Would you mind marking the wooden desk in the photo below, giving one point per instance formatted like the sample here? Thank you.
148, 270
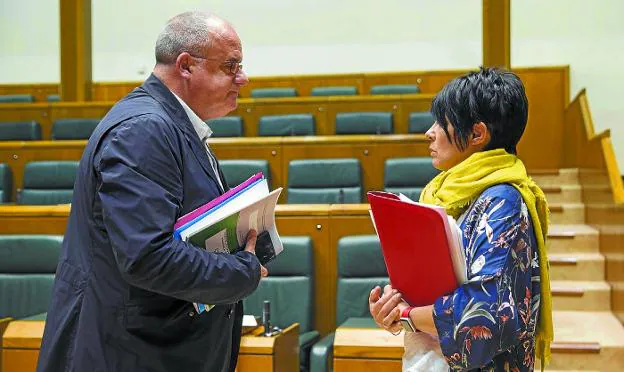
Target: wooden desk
20, 345
274, 354
367, 349
22, 340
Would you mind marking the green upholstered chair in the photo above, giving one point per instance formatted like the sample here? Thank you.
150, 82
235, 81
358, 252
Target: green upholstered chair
17, 98
53, 98
227, 126
73, 129
237, 171
395, 89
286, 125
408, 175
27, 267
48, 182
273, 92
420, 122
361, 267
334, 91
324, 181
20, 131
290, 288
6, 183
364, 123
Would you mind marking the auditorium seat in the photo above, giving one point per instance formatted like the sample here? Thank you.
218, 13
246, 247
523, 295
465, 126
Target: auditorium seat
48, 182
290, 288
334, 91
27, 272
17, 98
420, 122
324, 181
273, 92
408, 175
6, 183
20, 131
73, 129
237, 171
360, 268
364, 123
53, 98
395, 89
286, 125
227, 126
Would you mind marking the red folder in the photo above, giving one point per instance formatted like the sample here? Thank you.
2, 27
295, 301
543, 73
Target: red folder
416, 247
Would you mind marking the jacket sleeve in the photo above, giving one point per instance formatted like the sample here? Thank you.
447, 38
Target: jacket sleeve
141, 191
494, 310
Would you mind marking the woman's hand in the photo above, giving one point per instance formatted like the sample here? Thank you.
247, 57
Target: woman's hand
385, 309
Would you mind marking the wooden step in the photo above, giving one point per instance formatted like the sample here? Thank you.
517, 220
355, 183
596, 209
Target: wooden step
555, 177
567, 213
577, 266
572, 238
597, 194
563, 194
587, 340
581, 295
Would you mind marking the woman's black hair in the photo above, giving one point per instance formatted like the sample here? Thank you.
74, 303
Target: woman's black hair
493, 96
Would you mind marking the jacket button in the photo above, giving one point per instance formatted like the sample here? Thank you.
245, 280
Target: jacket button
191, 314
229, 314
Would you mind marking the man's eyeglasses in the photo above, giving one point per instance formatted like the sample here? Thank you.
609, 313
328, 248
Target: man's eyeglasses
232, 68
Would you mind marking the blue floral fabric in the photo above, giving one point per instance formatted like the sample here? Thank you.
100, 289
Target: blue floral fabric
489, 323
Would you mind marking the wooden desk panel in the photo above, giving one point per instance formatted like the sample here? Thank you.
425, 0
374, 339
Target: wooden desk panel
374, 349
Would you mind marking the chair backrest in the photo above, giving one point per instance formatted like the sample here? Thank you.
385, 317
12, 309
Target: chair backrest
273, 92
361, 267
420, 122
17, 98
408, 175
395, 89
73, 129
6, 183
364, 123
53, 98
334, 91
48, 182
289, 286
324, 181
20, 131
237, 171
286, 125
27, 267
227, 126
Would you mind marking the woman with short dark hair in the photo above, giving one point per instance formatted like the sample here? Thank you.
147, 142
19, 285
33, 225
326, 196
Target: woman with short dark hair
500, 319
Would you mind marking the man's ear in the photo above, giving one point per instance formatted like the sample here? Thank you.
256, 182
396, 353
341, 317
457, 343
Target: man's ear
480, 135
183, 64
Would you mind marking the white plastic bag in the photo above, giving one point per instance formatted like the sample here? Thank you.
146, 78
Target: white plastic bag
423, 353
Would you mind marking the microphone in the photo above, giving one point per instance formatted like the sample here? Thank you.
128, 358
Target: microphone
266, 318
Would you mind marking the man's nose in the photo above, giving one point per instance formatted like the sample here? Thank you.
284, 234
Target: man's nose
241, 78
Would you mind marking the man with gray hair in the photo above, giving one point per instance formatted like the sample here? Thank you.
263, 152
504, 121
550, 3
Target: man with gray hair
124, 288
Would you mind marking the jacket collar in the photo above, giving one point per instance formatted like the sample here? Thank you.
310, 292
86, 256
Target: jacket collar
159, 91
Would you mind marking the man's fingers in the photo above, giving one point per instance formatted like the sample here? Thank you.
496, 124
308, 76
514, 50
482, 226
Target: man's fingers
250, 246
374, 295
263, 271
392, 317
391, 303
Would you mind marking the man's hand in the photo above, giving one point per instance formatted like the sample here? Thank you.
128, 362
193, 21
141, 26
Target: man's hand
250, 247
385, 309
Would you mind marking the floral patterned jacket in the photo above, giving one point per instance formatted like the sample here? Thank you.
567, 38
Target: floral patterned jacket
489, 322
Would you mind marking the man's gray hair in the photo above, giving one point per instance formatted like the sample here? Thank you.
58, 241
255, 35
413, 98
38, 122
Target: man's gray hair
187, 32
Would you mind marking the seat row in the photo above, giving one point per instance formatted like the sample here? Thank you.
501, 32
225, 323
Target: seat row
27, 275
314, 181
232, 126
265, 92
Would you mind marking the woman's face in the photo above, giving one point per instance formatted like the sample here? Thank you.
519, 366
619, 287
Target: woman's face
444, 153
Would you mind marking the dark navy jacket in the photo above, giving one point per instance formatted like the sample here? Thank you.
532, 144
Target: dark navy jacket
124, 287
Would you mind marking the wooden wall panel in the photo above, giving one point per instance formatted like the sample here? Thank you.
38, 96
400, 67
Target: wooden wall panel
39, 91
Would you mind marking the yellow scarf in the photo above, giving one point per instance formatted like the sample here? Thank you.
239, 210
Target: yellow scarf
458, 187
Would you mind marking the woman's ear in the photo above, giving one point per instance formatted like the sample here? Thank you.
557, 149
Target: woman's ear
480, 135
